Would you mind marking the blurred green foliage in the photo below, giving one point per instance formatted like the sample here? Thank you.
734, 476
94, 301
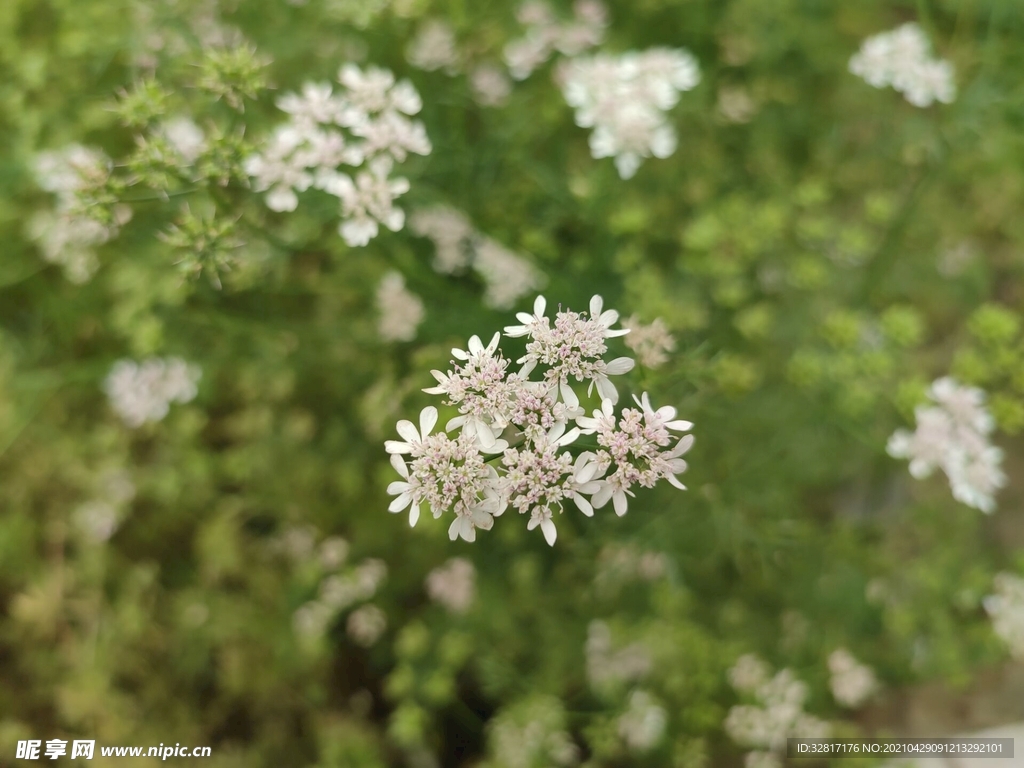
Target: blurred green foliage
819, 264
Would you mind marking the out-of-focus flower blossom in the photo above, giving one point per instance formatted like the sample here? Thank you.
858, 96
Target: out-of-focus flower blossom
852, 683
777, 715
625, 99
901, 58
400, 310
652, 343
642, 725
365, 625
531, 733
953, 435
1006, 609
545, 34
143, 392
434, 48
489, 85
453, 585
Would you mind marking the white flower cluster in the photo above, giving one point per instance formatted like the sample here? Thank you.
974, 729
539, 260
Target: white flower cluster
545, 34
367, 125
1006, 609
453, 585
507, 276
777, 715
434, 48
902, 58
66, 235
624, 98
99, 518
642, 725
143, 391
954, 436
652, 343
399, 310
852, 683
535, 473
531, 733
338, 591
185, 138
608, 667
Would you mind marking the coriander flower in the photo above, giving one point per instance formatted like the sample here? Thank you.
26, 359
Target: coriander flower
901, 58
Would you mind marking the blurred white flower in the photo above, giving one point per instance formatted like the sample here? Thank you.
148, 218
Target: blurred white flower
490, 85
143, 392
453, 585
1006, 609
400, 310
652, 343
954, 435
642, 725
852, 683
97, 520
901, 58
450, 232
545, 34
368, 200
531, 733
625, 99
434, 48
777, 715
366, 624
607, 666
187, 138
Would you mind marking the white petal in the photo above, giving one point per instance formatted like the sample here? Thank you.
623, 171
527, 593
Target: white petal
428, 418
596, 303
619, 501
606, 389
538, 306
620, 365
485, 437
407, 430
600, 498
400, 503
399, 464
568, 395
679, 425
475, 345
414, 515
583, 504
550, 533
395, 446
675, 481
568, 437
397, 487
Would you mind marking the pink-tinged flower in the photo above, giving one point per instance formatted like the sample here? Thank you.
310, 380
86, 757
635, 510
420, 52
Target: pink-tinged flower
413, 438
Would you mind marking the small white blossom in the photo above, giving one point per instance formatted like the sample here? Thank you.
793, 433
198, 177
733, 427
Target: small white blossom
545, 34
642, 725
852, 683
368, 200
1006, 609
143, 392
625, 99
777, 715
530, 733
953, 435
749, 673
608, 667
434, 48
97, 520
490, 85
187, 138
453, 585
652, 343
400, 310
366, 624
901, 58
450, 232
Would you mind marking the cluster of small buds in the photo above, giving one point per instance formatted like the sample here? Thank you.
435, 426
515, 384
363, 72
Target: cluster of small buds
642, 726
1006, 609
608, 667
953, 435
902, 58
852, 683
143, 391
68, 235
531, 733
367, 125
625, 98
507, 276
545, 34
453, 585
651, 343
777, 715
339, 589
400, 311
100, 517
534, 470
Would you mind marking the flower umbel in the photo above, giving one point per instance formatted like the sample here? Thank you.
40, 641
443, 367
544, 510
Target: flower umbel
525, 423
